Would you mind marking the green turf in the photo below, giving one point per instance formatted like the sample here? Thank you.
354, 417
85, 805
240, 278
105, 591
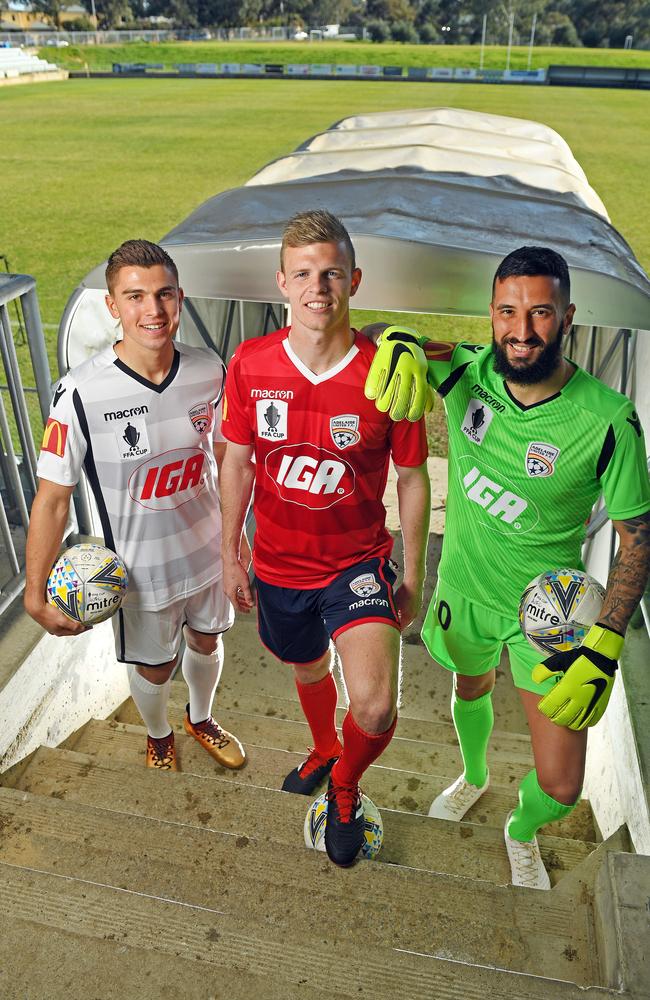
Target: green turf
87, 164
358, 53
92, 162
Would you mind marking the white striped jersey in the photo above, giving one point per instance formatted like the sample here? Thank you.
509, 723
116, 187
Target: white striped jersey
147, 451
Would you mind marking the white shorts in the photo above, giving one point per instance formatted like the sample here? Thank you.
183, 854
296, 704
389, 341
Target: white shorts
154, 637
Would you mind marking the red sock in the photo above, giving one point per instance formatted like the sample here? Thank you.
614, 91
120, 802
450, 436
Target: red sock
360, 749
319, 705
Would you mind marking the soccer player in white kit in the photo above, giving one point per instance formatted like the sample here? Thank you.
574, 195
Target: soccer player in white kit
142, 418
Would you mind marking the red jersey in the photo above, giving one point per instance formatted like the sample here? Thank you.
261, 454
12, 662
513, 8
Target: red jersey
321, 451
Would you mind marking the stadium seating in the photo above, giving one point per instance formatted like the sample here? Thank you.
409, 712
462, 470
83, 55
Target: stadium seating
16, 62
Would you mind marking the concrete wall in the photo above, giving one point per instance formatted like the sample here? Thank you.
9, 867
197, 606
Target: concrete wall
618, 755
59, 686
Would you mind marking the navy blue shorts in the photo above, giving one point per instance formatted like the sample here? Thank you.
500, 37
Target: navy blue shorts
297, 625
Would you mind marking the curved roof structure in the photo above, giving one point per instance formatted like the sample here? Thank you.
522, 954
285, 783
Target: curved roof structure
433, 199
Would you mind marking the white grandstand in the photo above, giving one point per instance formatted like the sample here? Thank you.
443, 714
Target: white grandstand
15, 63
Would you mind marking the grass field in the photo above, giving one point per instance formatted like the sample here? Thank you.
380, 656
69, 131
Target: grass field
86, 164
359, 53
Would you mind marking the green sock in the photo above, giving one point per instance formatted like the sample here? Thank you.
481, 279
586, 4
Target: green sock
473, 721
535, 809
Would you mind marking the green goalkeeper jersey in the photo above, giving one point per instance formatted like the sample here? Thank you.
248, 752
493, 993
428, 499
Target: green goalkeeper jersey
523, 479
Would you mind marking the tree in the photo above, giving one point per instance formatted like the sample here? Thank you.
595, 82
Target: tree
378, 30
112, 13
403, 31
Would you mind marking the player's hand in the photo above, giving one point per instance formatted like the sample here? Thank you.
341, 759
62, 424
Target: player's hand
236, 585
408, 601
397, 379
586, 678
53, 620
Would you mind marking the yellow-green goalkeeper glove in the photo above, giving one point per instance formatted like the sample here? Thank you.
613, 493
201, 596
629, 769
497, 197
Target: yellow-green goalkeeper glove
397, 379
581, 694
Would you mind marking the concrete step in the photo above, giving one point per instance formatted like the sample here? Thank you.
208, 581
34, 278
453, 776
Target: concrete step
247, 880
390, 787
274, 707
226, 950
244, 810
83, 964
283, 734
425, 689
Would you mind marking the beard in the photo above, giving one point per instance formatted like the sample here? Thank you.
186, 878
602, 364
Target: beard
537, 371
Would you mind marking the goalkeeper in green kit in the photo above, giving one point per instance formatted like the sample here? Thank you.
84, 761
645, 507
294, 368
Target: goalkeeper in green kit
533, 442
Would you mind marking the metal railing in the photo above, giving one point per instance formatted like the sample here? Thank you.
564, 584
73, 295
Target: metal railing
17, 424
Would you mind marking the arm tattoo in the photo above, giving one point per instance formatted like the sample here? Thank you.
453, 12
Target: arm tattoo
628, 576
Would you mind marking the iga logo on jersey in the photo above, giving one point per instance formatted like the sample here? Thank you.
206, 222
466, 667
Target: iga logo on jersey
132, 439
168, 481
272, 419
201, 417
498, 506
476, 421
365, 585
345, 430
309, 476
540, 459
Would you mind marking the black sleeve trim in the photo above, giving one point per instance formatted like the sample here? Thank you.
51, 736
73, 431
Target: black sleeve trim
445, 387
606, 453
91, 472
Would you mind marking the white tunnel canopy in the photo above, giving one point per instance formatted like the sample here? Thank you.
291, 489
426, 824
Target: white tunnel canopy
433, 199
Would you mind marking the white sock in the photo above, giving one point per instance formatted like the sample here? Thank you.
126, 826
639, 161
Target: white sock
201, 672
151, 702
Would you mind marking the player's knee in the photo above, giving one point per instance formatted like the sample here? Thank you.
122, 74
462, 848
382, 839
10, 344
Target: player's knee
375, 716
311, 673
202, 643
470, 688
561, 787
155, 675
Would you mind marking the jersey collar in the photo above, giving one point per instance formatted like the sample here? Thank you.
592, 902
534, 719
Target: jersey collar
169, 377
325, 376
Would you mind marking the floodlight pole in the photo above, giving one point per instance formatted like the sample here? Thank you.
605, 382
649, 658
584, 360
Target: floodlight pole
483, 41
510, 31
94, 13
532, 39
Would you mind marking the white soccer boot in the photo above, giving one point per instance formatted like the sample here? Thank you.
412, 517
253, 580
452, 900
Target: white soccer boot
526, 865
456, 800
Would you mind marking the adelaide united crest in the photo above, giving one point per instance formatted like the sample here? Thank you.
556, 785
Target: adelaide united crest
345, 430
540, 459
201, 417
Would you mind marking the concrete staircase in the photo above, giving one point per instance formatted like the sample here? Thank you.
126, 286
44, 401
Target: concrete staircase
119, 882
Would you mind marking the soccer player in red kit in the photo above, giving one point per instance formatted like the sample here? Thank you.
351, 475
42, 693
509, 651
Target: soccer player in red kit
301, 432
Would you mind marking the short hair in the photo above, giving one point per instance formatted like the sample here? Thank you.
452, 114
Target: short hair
532, 262
137, 253
317, 226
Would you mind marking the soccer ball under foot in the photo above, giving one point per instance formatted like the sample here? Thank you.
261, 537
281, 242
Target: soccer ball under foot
316, 819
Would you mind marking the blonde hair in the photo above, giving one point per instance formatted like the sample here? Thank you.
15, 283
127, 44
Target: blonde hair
317, 226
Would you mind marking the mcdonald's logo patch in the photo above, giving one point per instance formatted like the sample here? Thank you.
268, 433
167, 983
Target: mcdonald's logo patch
54, 437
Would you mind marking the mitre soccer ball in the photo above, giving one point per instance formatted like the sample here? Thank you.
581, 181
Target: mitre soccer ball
558, 608
316, 820
87, 583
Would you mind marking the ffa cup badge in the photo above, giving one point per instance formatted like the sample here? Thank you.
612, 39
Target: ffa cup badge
345, 430
272, 419
476, 421
540, 459
201, 417
364, 585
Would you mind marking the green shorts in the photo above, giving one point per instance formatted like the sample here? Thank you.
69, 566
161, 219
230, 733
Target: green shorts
469, 639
